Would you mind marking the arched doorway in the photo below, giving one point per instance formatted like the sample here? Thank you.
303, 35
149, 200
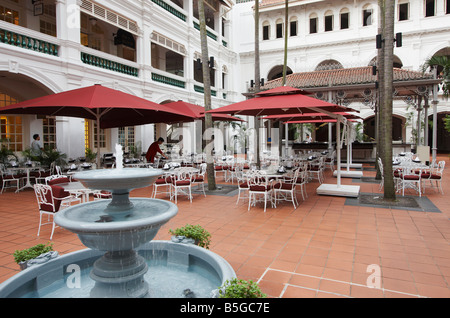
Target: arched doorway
277, 72
443, 136
397, 128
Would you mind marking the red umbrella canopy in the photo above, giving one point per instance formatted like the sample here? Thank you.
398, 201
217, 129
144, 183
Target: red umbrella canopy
198, 112
310, 117
112, 108
280, 90
281, 103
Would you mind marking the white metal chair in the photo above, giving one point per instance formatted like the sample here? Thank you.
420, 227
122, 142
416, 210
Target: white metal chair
242, 182
316, 170
199, 178
437, 175
8, 178
411, 178
285, 189
164, 181
101, 195
329, 161
259, 185
302, 180
51, 199
182, 183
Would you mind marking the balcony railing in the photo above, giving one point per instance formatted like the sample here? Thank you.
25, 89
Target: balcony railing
170, 9
208, 33
200, 89
28, 42
108, 64
168, 80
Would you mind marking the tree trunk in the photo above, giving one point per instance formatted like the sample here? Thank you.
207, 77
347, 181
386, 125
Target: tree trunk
207, 95
257, 79
389, 189
380, 78
286, 29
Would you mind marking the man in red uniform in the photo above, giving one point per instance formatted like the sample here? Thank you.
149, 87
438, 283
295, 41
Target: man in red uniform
153, 149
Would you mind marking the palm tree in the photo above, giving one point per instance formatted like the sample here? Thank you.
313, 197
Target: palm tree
443, 64
285, 41
389, 188
207, 93
257, 78
380, 79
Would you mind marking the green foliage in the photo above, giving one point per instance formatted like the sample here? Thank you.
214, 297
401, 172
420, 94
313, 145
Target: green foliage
196, 232
239, 288
447, 122
443, 65
90, 155
50, 155
32, 252
6, 155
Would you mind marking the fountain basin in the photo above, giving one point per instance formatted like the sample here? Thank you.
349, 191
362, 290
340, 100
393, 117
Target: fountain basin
124, 231
173, 269
118, 179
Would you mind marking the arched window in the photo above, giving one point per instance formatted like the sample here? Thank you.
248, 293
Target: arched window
367, 15
279, 28
329, 65
344, 16
266, 30
403, 10
313, 23
293, 26
328, 21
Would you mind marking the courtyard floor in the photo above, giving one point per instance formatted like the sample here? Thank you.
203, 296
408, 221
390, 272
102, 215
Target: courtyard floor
327, 247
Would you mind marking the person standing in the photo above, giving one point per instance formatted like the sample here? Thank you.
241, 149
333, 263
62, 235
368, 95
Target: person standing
154, 149
36, 147
308, 138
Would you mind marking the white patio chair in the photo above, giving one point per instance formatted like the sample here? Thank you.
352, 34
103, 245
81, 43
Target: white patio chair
411, 178
8, 178
51, 199
284, 190
181, 183
199, 178
437, 175
259, 185
242, 181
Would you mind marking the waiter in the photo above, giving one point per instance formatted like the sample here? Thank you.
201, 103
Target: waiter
153, 149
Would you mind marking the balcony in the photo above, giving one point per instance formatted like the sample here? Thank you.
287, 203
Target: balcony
28, 41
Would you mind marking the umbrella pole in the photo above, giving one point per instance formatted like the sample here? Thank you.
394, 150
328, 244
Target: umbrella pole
338, 149
98, 140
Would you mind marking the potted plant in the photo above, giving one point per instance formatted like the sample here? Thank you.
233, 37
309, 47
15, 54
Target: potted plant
200, 236
6, 155
22, 257
90, 155
239, 288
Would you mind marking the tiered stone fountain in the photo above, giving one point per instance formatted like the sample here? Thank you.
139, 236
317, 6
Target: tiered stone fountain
121, 229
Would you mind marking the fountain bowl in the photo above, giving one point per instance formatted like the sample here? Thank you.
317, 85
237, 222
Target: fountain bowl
118, 179
175, 267
123, 232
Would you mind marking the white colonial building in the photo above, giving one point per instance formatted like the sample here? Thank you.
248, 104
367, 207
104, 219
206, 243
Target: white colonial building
150, 48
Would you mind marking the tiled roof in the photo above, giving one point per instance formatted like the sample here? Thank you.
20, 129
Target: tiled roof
340, 77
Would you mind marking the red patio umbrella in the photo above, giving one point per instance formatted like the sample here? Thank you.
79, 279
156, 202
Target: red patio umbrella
310, 117
198, 112
108, 107
285, 100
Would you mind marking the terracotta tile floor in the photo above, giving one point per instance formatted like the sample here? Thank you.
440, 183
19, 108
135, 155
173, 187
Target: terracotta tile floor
323, 248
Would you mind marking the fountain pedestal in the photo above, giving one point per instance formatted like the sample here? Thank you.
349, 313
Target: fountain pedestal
119, 275
118, 226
